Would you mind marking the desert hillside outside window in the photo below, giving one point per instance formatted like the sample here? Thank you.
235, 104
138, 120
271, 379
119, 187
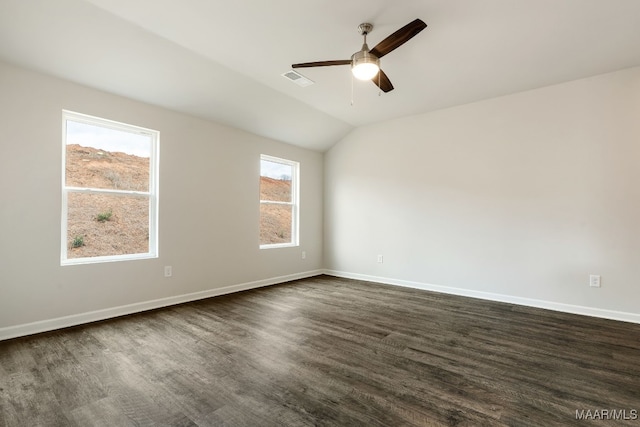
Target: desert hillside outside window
278, 202
109, 190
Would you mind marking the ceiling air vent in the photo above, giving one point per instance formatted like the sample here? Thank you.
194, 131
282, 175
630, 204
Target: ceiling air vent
297, 78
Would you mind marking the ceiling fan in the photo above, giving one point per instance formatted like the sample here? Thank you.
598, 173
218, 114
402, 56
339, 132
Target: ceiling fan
365, 63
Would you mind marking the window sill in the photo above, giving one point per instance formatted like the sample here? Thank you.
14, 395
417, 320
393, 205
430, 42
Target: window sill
279, 245
103, 259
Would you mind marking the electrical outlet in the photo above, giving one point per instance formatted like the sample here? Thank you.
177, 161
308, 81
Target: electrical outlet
304, 254
168, 271
594, 281
380, 259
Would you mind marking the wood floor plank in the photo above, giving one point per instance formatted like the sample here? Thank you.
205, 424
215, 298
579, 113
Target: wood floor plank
101, 413
326, 351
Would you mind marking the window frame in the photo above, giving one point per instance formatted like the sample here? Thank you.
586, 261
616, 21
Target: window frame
294, 203
151, 194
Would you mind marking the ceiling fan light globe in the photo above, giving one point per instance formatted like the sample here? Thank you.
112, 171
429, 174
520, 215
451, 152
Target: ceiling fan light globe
364, 65
365, 71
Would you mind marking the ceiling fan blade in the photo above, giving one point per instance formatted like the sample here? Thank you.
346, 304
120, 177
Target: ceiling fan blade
382, 81
322, 63
398, 38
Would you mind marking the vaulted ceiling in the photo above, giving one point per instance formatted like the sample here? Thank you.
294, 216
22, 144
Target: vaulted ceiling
223, 60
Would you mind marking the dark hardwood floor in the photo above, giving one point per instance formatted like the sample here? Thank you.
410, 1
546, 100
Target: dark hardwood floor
327, 351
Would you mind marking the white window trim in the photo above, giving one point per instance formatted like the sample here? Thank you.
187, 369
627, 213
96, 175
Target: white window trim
151, 194
295, 202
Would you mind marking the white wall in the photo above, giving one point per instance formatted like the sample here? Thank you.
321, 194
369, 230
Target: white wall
209, 212
520, 197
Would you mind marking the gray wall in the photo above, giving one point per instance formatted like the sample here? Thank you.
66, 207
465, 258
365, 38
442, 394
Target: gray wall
209, 211
516, 198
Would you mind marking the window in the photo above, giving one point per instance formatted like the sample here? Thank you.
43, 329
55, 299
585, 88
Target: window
109, 190
278, 202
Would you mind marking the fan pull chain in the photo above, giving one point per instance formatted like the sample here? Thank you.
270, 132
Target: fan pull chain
351, 89
379, 87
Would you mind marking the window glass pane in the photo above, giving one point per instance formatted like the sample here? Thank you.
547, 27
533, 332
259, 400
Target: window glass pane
275, 223
104, 225
100, 157
275, 181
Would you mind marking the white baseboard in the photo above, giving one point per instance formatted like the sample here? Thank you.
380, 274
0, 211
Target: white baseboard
93, 316
549, 305
108, 313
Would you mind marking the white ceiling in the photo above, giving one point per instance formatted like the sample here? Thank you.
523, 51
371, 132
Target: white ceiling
223, 60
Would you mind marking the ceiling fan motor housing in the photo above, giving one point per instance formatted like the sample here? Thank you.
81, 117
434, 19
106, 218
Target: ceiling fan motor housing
366, 62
